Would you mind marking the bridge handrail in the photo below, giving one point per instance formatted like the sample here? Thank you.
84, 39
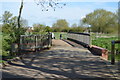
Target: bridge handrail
80, 33
35, 41
81, 37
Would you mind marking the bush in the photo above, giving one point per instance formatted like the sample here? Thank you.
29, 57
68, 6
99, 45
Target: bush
6, 46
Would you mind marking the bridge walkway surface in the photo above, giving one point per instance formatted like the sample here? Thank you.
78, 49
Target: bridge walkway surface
61, 61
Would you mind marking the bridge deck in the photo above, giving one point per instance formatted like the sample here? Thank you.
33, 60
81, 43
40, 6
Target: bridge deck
61, 61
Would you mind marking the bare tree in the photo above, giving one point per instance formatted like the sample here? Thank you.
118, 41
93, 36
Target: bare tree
19, 16
46, 4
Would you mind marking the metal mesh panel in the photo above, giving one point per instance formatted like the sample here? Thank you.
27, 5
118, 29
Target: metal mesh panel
82, 37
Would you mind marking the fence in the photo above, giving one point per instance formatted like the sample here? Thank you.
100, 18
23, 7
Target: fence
35, 42
81, 37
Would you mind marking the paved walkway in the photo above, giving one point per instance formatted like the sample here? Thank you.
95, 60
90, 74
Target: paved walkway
61, 61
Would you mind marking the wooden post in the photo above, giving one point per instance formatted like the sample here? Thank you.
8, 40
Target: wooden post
112, 52
35, 43
49, 39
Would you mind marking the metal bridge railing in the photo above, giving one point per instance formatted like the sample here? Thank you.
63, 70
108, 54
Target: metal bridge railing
33, 42
81, 37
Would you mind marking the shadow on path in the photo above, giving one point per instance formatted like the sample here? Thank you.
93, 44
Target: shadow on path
64, 64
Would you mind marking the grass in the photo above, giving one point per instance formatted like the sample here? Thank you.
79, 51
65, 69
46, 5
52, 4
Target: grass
117, 57
95, 35
2, 61
57, 35
106, 43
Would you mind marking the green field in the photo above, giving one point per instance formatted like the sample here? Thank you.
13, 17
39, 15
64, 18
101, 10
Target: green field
57, 35
104, 42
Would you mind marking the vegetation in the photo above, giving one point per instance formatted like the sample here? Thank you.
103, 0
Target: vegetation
117, 57
40, 29
77, 28
62, 25
57, 35
102, 21
10, 31
106, 43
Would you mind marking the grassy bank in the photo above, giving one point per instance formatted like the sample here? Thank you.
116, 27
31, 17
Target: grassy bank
106, 43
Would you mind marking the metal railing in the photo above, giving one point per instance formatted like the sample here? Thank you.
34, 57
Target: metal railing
81, 37
34, 42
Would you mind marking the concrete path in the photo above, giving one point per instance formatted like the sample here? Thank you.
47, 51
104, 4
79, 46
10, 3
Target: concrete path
61, 61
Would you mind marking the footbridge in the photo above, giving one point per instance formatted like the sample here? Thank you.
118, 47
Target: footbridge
63, 59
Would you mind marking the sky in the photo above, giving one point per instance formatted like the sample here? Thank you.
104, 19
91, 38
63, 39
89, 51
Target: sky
73, 12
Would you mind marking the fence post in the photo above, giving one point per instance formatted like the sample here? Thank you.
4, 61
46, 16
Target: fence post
49, 39
112, 52
35, 43
20, 45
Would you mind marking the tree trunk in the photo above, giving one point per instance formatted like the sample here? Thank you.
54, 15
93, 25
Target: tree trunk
19, 26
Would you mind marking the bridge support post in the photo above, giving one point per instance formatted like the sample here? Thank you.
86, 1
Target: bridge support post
49, 39
35, 43
112, 52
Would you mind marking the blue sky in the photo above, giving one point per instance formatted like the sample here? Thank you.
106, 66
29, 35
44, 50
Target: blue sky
73, 12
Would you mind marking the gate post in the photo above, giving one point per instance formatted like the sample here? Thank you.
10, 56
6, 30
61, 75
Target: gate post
35, 43
112, 52
49, 39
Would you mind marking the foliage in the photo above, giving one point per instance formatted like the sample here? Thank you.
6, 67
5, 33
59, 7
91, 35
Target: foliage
48, 29
10, 31
102, 21
104, 42
6, 17
6, 40
40, 29
57, 35
60, 25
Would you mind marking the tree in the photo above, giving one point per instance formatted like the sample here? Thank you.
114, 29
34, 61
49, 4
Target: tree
39, 29
9, 30
101, 21
6, 17
60, 25
76, 28
48, 29
45, 5
10, 25
74, 25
